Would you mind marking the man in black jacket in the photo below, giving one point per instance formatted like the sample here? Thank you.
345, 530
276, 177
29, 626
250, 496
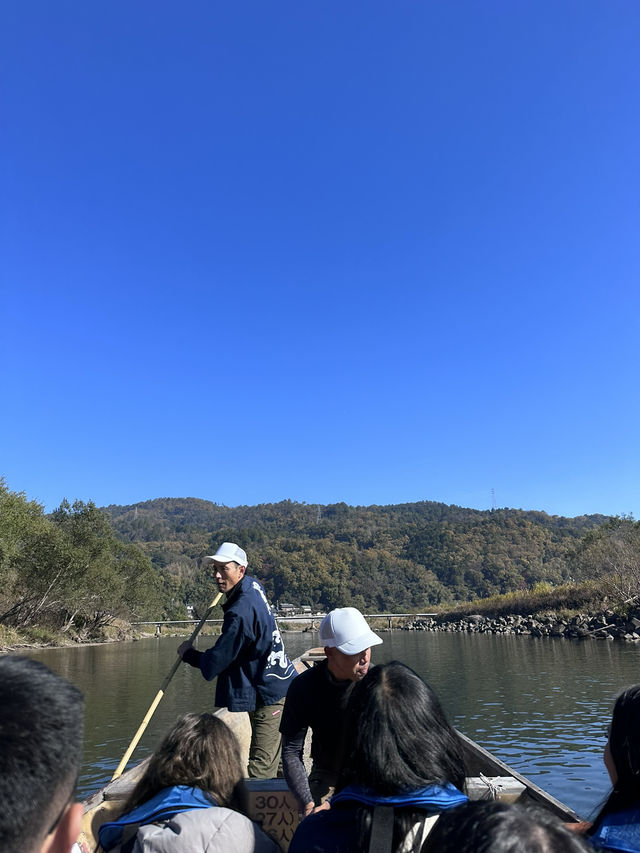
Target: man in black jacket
317, 700
249, 660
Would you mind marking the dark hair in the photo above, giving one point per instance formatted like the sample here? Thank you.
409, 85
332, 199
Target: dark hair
202, 752
398, 739
495, 827
41, 728
624, 745
397, 734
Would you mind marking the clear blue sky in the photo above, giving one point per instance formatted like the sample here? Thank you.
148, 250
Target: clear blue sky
362, 251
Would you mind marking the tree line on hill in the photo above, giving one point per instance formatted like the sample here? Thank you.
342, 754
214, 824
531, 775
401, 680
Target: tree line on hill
81, 567
406, 557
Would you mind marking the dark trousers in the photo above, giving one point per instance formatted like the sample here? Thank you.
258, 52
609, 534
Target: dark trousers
266, 741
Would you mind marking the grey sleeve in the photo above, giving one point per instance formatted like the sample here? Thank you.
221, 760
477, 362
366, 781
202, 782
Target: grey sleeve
293, 766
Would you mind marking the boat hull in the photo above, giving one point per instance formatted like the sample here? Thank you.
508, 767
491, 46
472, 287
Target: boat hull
273, 806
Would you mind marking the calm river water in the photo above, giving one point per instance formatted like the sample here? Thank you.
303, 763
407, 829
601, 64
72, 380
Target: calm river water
540, 704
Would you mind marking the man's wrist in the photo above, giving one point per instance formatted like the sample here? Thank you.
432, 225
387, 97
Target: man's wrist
306, 809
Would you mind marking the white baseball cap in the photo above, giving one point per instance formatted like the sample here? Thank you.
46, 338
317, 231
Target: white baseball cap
228, 552
346, 629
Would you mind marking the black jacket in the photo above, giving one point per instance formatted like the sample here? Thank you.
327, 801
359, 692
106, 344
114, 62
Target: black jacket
249, 658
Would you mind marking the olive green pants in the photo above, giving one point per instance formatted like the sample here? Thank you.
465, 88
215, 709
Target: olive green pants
266, 740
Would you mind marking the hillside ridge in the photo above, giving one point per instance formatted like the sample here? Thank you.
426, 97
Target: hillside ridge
410, 555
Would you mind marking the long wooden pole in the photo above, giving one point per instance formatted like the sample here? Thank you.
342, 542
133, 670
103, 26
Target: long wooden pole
160, 694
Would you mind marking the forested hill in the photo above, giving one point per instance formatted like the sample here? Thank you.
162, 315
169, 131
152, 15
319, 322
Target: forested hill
377, 557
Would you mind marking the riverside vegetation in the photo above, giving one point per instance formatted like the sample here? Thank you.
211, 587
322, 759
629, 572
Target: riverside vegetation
86, 573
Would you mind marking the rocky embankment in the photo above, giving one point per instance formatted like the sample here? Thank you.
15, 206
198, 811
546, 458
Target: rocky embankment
601, 626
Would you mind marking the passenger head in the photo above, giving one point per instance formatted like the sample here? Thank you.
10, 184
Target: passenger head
41, 727
622, 753
200, 751
397, 734
347, 641
495, 827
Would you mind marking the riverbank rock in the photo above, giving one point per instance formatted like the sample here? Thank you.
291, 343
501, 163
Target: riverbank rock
604, 625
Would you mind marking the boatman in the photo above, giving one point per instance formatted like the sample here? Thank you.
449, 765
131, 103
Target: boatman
41, 727
317, 700
249, 660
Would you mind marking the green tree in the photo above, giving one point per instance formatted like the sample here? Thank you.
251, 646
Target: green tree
32, 559
105, 578
69, 569
611, 554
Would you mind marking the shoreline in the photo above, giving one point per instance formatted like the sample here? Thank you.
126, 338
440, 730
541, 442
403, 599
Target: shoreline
599, 624
124, 637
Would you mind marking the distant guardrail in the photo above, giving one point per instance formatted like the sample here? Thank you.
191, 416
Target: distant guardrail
300, 618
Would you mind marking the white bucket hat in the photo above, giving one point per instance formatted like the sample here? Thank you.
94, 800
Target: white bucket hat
346, 629
228, 552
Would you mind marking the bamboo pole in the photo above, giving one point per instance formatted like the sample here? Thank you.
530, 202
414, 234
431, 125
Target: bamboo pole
160, 694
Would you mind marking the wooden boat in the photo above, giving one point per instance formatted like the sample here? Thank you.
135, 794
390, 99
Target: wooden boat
273, 806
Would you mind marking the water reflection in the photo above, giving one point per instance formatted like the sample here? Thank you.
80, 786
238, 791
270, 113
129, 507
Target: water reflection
542, 705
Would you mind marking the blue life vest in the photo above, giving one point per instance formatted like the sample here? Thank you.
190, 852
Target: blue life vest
433, 798
619, 831
165, 804
335, 829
